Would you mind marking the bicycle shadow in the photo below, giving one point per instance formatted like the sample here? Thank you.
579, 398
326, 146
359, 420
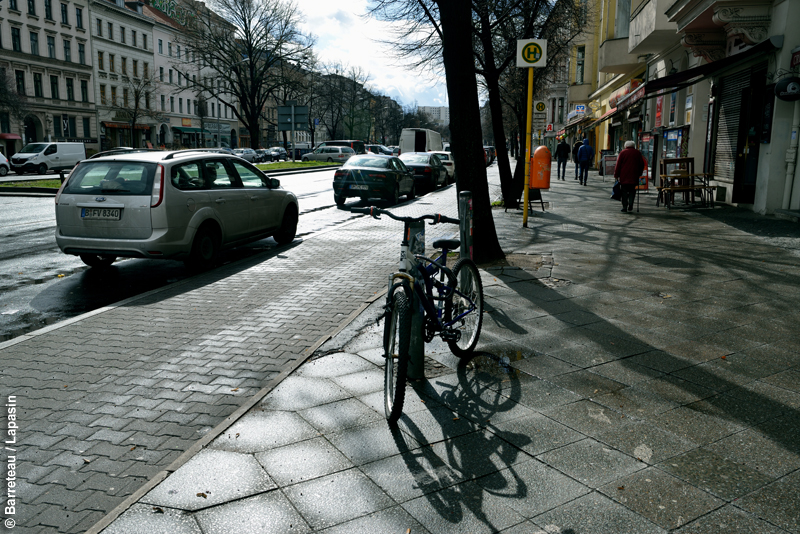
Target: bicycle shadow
465, 463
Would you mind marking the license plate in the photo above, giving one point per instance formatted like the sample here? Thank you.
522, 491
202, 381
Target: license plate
101, 213
359, 186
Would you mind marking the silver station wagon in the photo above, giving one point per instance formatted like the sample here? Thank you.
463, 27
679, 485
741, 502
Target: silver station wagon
185, 205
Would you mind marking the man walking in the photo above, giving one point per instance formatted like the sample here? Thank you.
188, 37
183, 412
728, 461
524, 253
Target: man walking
585, 158
628, 169
562, 155
578, 144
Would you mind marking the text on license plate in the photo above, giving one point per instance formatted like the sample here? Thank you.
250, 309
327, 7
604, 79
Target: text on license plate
100, 213
359, 186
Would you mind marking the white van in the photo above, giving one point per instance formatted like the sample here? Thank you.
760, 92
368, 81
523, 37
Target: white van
420, 140
43, 157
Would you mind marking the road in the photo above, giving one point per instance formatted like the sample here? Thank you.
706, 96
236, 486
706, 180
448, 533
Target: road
39, 285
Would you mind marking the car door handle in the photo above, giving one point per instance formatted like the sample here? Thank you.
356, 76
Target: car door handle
254, 197
220, 201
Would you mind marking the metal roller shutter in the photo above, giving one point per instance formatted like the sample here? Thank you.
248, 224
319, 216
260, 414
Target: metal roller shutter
730, 103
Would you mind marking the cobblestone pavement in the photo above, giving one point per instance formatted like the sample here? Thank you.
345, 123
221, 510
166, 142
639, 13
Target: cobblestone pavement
108, 400
637, 373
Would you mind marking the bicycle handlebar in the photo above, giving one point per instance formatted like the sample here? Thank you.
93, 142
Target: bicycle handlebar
375, 213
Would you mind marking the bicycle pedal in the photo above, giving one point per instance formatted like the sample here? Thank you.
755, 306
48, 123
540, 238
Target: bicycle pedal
450, 335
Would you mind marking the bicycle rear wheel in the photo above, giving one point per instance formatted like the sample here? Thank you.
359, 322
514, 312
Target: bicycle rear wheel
396, 340
469, 326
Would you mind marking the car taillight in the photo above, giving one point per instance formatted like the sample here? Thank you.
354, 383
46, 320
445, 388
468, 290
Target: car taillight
158, 187
377, 175
427, 169
338, 175
63, 185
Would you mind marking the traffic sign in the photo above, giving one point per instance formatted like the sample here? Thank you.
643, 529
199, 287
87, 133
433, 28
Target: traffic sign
539, 106
285, 118
532, 53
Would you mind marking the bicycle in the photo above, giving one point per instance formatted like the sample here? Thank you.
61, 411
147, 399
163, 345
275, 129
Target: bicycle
451, 302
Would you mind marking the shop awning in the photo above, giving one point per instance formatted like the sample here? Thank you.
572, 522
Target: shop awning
669, 84
125, 125
9, 136
574, 121
188, 130
605, 117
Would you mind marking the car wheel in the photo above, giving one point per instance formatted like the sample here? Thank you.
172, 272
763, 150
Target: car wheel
288, 230
330, 160
205, 249
98, 260
412, 193
3, 171
339, 199
42, 169
395, 198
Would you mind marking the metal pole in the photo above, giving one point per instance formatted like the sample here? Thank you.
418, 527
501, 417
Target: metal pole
527, 149
416, 348
292, 133
465, 223
219, 131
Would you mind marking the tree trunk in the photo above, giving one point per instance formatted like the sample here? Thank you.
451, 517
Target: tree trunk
465, 123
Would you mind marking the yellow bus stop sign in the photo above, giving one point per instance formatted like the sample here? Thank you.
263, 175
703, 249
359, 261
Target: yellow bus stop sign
532, 53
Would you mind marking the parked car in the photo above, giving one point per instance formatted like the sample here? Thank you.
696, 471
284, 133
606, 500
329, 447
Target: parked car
395, 150
429, 173
491, 154
42, 157
245, 153
278, 153
329, 154
262, 155
449, 164
135, 205
380, 149
4, 166
359, 147
373, 176
446, 147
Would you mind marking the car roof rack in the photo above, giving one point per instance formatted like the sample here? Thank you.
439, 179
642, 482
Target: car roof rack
174, 153
117, 151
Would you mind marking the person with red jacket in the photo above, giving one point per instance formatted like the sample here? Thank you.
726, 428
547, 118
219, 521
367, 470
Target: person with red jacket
630, 165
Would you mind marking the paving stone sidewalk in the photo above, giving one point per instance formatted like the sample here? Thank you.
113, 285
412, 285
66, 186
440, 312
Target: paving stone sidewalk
637, 372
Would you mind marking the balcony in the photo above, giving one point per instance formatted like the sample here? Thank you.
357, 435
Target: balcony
650, 29
579, 93
613, 56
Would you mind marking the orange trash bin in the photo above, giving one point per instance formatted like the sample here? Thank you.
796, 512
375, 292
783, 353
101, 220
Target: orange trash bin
540, 169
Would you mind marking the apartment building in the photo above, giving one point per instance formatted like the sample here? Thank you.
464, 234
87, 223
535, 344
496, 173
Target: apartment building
46, 56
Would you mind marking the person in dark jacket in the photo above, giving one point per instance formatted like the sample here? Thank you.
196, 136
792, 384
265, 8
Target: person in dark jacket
562, 155
578, 144
585, 158
628, 169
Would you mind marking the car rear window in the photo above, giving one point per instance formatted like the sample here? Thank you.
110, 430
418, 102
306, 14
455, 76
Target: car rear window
111, 177
367, 161
444, 157
414, 158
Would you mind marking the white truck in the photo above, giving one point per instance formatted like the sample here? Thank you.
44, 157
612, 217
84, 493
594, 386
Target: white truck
419, 140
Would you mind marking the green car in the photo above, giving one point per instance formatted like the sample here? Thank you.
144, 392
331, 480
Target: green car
373, 176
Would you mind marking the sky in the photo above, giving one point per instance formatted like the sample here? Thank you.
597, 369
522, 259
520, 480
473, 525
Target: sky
345, 36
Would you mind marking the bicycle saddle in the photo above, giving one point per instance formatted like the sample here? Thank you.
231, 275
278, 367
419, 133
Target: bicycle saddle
449, 244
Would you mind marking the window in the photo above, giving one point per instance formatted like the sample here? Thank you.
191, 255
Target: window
38, 91
125, 97
187, 176
87, 131
113, 96
79, 17
179, 51
212, 110
124, 66
51, 47
19, 77
110, 31
145, 69
147, 100
133, 37
111, 63
163, 105
579, 64
160, 46
180, 105
72, 127
161, 73
67, 51
622, 19
99, 28
64, 14
35, 44
172, 104
169, 49
144, 41
48, 9
102, 94
122, 34
135, 68
57, 125
31, 7
16, 40
82, 53
54, 87
170, 75
189, 106
12, 4
561, 110
84, 91
179, 77
70, 89
100, 63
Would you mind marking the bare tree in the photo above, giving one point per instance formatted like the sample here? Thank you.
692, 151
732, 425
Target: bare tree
241, 45
137, 101
11, 101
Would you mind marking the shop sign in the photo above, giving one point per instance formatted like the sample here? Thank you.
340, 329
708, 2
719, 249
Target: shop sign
185, 121
659, 110
673, 100
788, 89
626, 89
688, 108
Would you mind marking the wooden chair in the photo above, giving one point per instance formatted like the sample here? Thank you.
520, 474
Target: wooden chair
677, 176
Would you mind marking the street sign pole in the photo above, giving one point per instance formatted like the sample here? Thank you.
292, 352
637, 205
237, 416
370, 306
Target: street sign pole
531, 53
527, 149
293, 132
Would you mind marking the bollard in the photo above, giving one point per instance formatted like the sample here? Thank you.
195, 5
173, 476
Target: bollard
61, 176
416, 348
465, 224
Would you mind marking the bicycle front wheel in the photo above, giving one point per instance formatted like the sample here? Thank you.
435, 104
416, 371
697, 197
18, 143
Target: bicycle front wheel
396, 340
466, 308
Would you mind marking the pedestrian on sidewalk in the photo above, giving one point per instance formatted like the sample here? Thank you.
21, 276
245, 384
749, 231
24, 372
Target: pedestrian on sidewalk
562, 155
578, 144
585, 158
628, 169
